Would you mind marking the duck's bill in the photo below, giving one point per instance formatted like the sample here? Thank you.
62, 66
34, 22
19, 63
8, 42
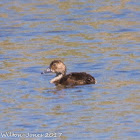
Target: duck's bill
46, 71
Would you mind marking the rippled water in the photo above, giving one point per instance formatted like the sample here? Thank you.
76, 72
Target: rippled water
98, 37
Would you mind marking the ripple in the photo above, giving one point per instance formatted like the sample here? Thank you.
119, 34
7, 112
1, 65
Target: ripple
100, 38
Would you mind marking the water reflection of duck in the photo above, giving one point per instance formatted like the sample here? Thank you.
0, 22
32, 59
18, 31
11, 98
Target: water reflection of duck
74, 78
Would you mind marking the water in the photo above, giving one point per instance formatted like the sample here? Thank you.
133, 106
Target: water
98, 37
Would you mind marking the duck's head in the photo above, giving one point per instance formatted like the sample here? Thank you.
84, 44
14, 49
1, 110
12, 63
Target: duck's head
56, 66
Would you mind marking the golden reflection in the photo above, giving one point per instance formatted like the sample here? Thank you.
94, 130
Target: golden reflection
128, 36
16, 9
26, 96
113, 8
6, 43
8, 100
133, 99
3, 15
65, 5
107, 103
8, 64
137, 107
84, 36
103, 39
6, 76
121, 83
113, 22
102, 130
73, 52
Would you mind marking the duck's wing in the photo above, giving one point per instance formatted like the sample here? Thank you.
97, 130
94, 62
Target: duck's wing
77, 78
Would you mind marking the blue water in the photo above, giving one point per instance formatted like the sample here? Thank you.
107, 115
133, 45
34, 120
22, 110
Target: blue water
97, 37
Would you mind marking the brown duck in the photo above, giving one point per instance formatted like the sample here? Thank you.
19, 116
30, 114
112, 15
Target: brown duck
74, 78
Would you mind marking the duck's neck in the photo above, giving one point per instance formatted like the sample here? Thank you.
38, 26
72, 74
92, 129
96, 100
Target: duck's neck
57, 78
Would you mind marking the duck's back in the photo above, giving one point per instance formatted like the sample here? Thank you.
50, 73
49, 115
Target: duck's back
77, 78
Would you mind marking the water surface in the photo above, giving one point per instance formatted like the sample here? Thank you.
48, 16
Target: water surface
97, 37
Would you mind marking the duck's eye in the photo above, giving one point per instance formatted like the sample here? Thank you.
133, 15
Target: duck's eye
54, 65
89, 79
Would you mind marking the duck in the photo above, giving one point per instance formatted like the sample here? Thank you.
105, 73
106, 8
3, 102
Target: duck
72, 79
